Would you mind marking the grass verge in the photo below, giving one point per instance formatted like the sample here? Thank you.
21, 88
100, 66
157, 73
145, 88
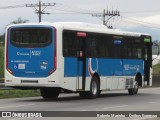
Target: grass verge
156, 69
14, 93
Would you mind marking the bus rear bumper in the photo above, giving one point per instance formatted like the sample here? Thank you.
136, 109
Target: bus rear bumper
17, 82
30, 85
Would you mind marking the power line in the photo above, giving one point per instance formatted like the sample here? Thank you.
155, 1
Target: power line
109, 15
106, 15
74, 9
141, 22
133, 23
40, 10
144, 11
10, 7
144, 24
71, 9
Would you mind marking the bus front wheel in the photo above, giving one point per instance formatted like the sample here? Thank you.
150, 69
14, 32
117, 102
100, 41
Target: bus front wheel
134, 90
50, 93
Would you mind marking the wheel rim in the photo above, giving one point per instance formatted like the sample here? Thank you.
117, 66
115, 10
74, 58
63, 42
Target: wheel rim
94, 87
136, 86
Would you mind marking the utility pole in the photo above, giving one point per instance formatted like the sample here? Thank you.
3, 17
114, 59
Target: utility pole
109, 15
40, 10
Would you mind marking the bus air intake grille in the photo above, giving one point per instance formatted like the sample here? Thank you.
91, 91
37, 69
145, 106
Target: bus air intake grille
29, 81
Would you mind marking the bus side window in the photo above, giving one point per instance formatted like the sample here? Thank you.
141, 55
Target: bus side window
91, 50
139, 53
145, 55
69, 44
103, 47
135, 53
129, 52
124, 53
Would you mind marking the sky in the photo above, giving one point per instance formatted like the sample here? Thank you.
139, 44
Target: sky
135, 15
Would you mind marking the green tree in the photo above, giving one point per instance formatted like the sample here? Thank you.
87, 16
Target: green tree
19, 20
2, 39
2, 61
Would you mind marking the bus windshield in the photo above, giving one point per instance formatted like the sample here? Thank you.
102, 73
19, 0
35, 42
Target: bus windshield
31, 37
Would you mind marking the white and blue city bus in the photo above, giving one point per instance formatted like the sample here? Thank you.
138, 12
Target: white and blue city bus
76, 57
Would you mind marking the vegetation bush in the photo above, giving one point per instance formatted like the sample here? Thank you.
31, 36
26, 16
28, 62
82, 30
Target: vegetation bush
1, 61
13, 93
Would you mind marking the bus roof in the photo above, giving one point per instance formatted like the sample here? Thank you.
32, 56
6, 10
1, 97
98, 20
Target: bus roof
80, 26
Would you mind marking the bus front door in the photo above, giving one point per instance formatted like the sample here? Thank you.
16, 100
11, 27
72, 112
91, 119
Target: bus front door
148, 63
81, 60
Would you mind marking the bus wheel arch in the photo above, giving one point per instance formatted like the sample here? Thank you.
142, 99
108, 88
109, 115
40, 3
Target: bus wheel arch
138, 78
98, 78
99, 82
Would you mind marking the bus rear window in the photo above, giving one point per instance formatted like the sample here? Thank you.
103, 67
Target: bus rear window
31, 37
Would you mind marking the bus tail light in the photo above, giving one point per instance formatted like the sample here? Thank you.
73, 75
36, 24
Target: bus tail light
10, 71
51, 71
55, 62
55, 66
55, 54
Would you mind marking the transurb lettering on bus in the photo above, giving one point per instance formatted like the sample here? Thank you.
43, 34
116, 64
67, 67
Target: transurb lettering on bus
35, 53
131, 67
32, 53
22, 54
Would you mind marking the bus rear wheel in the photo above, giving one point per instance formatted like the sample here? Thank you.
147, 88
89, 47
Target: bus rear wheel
94, 88
83, 94
50, 93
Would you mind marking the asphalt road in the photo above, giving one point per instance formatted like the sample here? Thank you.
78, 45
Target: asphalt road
147, 99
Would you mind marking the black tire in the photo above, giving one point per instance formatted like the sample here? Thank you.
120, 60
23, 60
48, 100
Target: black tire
99, 92
50, 93
134, 90
94, 88
83, 94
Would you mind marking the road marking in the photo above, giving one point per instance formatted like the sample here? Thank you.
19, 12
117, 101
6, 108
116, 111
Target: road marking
115, 107
16, 106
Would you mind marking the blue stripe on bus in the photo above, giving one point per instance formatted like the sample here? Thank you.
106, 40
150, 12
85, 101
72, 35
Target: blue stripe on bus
104, 67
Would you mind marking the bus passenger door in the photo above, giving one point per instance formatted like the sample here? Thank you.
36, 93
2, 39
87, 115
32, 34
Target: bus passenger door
81, 60
147, 61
